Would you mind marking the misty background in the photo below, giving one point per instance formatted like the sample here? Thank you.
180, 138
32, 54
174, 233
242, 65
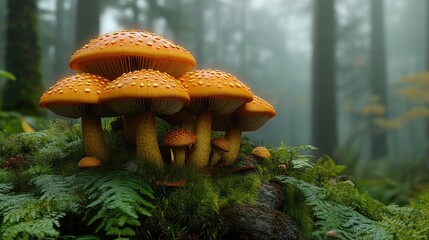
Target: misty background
346, 76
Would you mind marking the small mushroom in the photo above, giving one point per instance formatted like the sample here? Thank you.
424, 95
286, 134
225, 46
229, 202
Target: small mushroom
177, 141
261, 153
282, 166
89, 162
219, 146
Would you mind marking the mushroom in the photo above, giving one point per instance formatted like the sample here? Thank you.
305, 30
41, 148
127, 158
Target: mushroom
261, 153
145, 93
219, 146
113, 54
89, 162
177, 140
249, 117
212, 92
78, 96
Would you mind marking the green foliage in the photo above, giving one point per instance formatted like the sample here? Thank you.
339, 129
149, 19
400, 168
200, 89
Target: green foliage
410, 222
161, 225
324, 170
348, 223
197, 209
7, 75
117, 200
113, 201
234, 189
347, 194
24, 216
297, 208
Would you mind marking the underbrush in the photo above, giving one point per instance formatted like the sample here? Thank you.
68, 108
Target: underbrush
43, 195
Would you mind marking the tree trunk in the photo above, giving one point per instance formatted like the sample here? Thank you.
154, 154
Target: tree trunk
199, 32
378, 75
60, 60
324, 114
87, 21
23, 58
427, 69
2, 28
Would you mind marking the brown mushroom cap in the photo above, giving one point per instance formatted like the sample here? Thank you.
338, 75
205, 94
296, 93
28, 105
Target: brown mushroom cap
249, 117
145, 90
221, 143
112, 54
215, 91
76, 95
261, 152
88, 162
179, 138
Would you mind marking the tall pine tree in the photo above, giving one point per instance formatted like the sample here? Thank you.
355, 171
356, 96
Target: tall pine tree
22, 58
378, 75
324, 113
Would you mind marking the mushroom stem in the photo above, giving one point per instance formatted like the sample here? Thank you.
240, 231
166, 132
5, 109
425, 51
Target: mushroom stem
147, 145
199, 156
179, 156
233, 135
214, 159
130, 126
93, 138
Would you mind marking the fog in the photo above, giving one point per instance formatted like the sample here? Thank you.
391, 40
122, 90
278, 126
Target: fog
270, 45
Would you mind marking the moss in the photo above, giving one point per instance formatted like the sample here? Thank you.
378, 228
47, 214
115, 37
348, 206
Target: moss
197, 209
235, 189
347, 194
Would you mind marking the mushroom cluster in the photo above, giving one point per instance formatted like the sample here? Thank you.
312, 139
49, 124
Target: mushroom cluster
141, 76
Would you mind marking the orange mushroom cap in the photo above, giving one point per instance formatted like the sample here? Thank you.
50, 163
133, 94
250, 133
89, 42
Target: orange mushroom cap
88, 162
221, 143
261, 152
249, 117
112, 54
179, 138
145, 90
76, 95
215, 91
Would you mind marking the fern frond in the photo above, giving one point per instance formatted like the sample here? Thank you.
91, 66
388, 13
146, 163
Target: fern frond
26, 217
348, 223
119, 199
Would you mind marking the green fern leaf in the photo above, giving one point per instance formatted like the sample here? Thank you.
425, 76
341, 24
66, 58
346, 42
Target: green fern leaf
119, 200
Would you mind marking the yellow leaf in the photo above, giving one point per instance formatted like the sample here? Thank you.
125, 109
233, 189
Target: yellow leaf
25, 126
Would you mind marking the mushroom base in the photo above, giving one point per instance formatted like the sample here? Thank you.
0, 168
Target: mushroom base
93, 138
233, 136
